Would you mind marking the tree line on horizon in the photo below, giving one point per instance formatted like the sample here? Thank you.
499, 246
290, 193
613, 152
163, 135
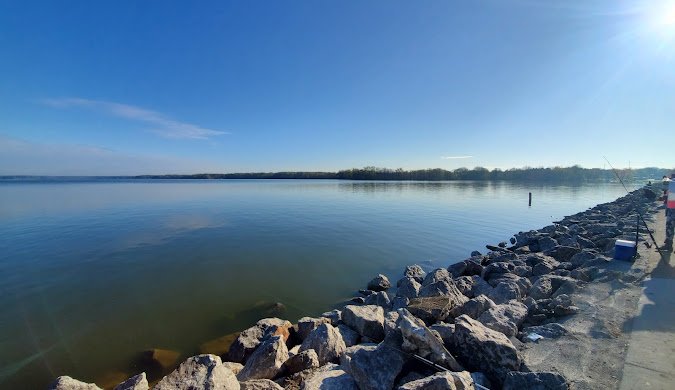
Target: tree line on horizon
567, 174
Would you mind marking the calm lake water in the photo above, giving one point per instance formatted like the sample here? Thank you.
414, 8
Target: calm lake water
92, 272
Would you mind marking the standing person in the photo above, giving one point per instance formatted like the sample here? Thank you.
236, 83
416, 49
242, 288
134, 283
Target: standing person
670, 213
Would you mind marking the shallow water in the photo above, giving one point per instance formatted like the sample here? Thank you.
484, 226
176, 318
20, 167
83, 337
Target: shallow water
92, 272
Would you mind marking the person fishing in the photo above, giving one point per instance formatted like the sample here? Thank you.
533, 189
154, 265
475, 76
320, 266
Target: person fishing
670, 213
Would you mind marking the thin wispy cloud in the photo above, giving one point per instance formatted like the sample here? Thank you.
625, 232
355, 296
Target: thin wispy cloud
159, 123
455, 157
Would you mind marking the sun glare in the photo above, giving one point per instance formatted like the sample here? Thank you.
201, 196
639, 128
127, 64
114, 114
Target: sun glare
665, 16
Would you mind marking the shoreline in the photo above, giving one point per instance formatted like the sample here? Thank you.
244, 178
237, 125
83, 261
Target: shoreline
486, 303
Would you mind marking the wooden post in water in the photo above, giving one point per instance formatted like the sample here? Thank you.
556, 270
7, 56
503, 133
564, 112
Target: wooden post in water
529, 203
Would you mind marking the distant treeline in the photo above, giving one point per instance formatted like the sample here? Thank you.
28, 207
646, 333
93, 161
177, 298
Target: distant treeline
574, 173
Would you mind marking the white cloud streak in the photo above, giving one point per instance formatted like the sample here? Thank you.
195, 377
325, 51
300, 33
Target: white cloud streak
455, 157
160, 124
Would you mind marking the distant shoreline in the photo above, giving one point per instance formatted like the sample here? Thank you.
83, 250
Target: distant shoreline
556, 174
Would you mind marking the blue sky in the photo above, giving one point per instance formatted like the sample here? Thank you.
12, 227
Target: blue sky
129, 87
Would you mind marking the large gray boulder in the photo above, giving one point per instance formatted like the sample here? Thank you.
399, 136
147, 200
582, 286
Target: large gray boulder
506, 318
346, 357
136, 382
260, 384
473, 307
442, 381
201, 372
249, 339
547, 285
408, 288
415, 272
307, 324
326, 341
329, 377
367, 320
437, 275
301, 361
376, 369
379, 283
535, 381
380, 298
349, 335
67, 383
431, 309
420, 340
266, 361
483, 349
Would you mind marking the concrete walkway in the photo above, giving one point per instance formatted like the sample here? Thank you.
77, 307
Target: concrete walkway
650, 359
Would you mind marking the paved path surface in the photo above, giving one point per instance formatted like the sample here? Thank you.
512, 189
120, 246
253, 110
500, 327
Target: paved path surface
650, 360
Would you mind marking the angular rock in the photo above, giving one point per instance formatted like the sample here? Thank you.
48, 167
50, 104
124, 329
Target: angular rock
376, 369
441, 288
464, 285
505, 291
379, 299
201, 372
535, 380
260, 384
505, 318
480, 286
234, 367
399, 303
249, 339
444, 331
408, 287
473, 307
346, 357
497, 268
415, 272
549, 331
431, 309
420, 340
67, 383
307, 324
329, 377
136, 382
437, 275
564, 253
581, 258
326, 341
481, 379
379, 283
442, 381
266, 360
349, 335
546, 285
335, 316
483, 349
302, 361
547, 244
367, 320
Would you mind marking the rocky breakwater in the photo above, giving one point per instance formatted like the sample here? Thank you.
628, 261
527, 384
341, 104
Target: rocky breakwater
471, 319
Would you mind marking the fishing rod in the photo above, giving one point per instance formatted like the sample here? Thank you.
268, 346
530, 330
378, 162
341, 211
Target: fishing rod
640, 217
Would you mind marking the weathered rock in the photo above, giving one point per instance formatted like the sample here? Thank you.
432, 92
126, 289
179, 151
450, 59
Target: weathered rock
483, 349
505, 318
481, 379
379, 283
367, 320
307, 324
326, 341
349, 335
136, 382
473, 307
335, 316
546, 285
442, 288
415, 272
546, 244
506, 291
579, 259
201, 372
431, 309
408, 287
379, 299
535, 381
564, 253
399, 303
480, 286
302, 361
346, 357
260, 384
496, 269
329, 377
234, 367
464, 285
444, 331
442, 381
419, 339
249, 339
376, 369
266, 360
437, 275
68, 383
